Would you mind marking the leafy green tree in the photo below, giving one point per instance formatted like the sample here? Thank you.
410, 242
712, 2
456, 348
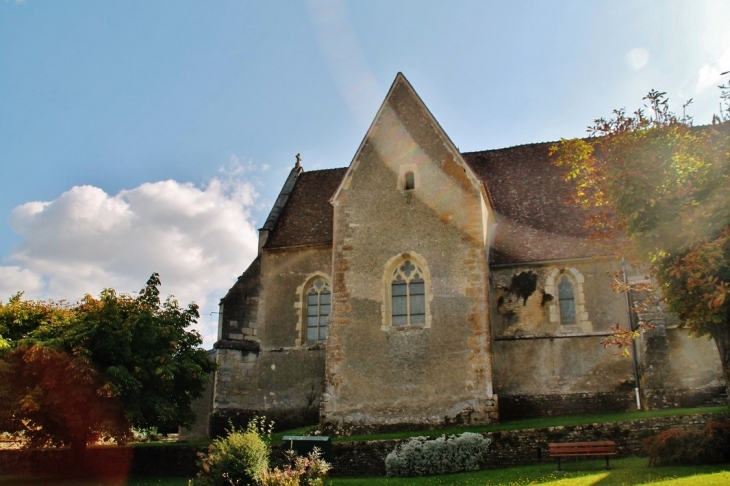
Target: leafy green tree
72, 374
658, 189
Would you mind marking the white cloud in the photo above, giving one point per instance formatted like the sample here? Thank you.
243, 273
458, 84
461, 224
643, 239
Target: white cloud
198, 239
709, 74
637, 58
14, 279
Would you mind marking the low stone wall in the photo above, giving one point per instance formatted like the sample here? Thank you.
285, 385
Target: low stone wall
366, 458
658, 399
523, 447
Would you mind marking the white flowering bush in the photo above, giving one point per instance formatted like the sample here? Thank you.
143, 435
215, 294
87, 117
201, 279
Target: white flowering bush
422, 457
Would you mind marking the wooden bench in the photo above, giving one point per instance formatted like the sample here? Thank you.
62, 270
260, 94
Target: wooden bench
583, 449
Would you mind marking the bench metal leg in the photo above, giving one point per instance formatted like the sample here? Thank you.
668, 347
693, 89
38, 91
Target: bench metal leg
607, 466
559, 469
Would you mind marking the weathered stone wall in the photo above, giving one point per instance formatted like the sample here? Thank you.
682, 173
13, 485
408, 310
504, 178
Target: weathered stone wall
285, 385
675, 368
521, 406
523, 447
272, 370
543, 367
523, 302
379, 374
240, 306
236, 350
285, 273
679, 370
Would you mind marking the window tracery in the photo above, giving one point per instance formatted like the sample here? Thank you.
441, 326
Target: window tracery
319, 304
406, 294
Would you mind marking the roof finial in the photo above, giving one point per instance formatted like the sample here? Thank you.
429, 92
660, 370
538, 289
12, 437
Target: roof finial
299, 162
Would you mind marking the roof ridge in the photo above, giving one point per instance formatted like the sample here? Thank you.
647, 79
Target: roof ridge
323, 170
533, 144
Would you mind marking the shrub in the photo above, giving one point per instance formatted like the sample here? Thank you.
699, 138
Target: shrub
421, 457
241, 458
146, 435
717, 437
309, 471
680, 446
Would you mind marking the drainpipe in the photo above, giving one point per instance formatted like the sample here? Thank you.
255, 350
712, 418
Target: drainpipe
632, 326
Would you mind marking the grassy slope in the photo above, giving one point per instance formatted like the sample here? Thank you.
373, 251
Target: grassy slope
531, 423
624, 471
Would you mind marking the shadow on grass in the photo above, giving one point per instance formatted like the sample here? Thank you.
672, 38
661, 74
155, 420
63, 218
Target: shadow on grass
47, 481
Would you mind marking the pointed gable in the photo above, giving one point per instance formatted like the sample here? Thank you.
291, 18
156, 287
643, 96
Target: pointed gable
401, 111
527, 193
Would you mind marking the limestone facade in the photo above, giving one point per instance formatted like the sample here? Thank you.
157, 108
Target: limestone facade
424, 286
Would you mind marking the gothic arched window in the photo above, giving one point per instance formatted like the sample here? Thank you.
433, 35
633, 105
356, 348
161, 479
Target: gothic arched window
408, 295
319, 303
566, 298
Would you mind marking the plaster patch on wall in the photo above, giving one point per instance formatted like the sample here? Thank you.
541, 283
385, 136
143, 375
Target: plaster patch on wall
522, 303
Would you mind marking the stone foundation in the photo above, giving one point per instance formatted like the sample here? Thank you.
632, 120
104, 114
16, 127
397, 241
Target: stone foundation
523, 406
657, 399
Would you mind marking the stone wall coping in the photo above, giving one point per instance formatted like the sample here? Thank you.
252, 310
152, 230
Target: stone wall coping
552, 336
242, 345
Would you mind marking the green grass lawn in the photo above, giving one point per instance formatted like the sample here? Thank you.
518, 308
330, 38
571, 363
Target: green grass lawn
580, 473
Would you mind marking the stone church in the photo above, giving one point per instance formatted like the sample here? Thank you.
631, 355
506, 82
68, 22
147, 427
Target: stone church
422, 286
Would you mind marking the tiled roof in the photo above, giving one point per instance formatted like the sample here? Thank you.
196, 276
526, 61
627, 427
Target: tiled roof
307, 217
528, 193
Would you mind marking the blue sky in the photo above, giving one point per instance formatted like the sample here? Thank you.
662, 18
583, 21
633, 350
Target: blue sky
143, 136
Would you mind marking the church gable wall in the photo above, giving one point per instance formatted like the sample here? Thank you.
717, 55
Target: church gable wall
380, 372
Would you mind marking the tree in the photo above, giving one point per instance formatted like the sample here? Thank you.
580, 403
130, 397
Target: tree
72, 374
659, 188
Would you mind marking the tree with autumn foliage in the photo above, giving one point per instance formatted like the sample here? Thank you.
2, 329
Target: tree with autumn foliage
74, 374
659, 188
